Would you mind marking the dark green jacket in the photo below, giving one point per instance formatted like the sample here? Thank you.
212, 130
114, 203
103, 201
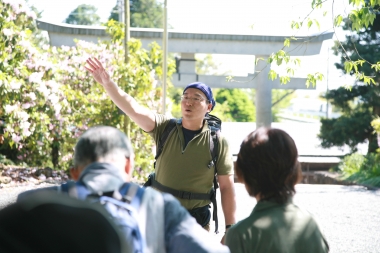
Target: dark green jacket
274, 227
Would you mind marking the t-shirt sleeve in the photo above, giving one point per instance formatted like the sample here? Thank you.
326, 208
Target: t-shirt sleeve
224, 164
161, 122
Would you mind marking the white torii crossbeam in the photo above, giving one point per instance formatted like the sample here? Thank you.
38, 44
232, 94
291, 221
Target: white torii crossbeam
188, 44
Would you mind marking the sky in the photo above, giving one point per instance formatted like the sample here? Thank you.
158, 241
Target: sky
238, 16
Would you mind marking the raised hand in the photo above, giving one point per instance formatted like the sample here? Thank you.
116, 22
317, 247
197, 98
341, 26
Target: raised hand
98, 72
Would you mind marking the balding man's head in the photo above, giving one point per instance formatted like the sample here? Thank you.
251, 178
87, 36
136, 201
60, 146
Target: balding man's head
103, 144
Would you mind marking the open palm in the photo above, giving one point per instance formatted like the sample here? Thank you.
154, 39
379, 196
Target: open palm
97, 70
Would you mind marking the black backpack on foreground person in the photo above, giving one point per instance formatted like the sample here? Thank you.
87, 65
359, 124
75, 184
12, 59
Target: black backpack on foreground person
47, 221
215, 125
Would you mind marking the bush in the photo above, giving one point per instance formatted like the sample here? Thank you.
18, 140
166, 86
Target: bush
362, 169
48, 99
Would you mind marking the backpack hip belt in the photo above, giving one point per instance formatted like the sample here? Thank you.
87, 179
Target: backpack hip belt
183, 194
189, 195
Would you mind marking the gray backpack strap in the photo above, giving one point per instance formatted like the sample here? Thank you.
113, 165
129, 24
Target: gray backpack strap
70, 188
131, 193
151, 220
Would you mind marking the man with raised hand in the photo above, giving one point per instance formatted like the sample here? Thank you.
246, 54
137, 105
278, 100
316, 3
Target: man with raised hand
185, 165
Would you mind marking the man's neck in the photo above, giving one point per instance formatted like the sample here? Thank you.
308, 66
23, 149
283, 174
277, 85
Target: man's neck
192, 124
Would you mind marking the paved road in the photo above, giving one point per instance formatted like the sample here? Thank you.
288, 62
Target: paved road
349, 216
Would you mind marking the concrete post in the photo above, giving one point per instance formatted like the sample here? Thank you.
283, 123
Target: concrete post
165, 39
187, 64
263, 93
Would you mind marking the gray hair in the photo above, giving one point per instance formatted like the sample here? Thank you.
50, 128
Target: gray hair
102, 144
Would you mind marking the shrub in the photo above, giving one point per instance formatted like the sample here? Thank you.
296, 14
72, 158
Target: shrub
48, 99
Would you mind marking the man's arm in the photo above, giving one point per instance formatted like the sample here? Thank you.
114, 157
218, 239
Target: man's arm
227, 192
142, 116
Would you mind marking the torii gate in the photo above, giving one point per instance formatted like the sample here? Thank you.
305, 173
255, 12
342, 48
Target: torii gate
188, 44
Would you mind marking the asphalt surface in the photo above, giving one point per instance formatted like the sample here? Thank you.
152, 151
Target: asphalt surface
349, 216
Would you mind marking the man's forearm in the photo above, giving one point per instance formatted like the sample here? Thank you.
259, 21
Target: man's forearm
142, 116
227, 192
123, 100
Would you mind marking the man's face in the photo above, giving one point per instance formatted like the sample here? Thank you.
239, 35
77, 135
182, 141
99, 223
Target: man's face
194, 104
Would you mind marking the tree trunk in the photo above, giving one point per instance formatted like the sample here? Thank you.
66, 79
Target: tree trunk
55, 152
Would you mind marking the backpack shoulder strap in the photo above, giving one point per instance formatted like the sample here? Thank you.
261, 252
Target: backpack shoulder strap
214, 145
75, 189
214, 124
132, 194
168, 129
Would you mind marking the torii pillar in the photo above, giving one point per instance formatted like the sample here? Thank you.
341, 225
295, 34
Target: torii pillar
263, 93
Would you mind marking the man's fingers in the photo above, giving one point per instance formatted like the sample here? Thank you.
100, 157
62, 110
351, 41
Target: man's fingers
92, 64
99, 63
90, 70
96, 62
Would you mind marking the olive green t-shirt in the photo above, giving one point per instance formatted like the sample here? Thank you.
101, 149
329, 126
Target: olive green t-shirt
274, 227
186, 168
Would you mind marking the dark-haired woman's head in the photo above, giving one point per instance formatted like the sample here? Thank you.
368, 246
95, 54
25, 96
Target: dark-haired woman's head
267, 164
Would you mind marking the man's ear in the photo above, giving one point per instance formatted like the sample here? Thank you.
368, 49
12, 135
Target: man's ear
128, 168
74, 173
209, 107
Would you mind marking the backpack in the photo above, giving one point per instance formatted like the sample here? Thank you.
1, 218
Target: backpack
43, 222
215, 125
121, 205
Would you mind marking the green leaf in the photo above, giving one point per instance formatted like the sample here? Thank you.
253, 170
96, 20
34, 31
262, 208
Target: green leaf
295, 25
284, 79
376, 66
338, 20
229, 78
356, 2
297, 61
259, 59
316, 4
287, 42
309, 23
272, 75
368, 80
317, 23
290, 71
348, 87
348, 66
